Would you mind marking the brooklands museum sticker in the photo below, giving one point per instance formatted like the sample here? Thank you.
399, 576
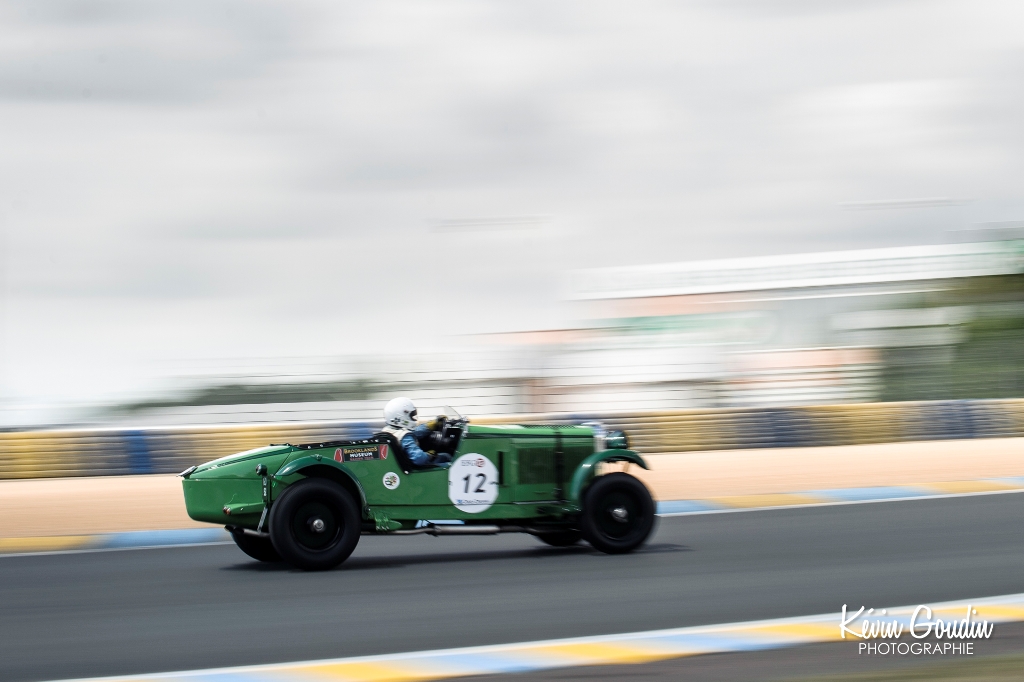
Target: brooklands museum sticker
361, 453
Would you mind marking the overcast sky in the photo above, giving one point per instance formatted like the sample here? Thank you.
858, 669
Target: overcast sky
187, 182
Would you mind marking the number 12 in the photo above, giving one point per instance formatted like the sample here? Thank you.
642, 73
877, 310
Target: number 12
480, 484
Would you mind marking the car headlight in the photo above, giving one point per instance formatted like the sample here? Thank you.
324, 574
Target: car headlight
616, 440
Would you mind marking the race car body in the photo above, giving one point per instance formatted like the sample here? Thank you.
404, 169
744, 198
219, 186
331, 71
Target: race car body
308, 504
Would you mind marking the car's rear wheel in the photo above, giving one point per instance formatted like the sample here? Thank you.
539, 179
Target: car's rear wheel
561, 538
315, 524
618, 513
258, 548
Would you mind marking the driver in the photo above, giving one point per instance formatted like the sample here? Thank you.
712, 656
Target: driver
400, 422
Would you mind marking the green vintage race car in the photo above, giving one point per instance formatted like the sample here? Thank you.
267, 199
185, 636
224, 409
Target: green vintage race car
308, 504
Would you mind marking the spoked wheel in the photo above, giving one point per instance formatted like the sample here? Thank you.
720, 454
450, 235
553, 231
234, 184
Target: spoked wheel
618, 513
561, 538
315, 524
258, 548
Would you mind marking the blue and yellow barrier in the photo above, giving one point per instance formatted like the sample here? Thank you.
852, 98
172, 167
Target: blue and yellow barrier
108, 452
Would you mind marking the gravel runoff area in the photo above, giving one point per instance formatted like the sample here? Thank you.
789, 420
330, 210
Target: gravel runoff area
73, 506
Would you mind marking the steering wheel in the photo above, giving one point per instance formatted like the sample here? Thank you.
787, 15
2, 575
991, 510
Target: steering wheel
446, 435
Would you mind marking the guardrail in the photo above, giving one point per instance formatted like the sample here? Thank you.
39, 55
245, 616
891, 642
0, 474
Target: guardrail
109, 452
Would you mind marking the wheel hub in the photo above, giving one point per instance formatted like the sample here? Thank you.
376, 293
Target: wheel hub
620, 514
317, 525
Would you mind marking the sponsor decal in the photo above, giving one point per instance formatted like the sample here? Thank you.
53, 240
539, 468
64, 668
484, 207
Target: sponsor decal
360, 453
472, 483
391, 480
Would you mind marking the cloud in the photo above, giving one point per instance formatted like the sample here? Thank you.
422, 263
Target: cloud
185, 180
155, 52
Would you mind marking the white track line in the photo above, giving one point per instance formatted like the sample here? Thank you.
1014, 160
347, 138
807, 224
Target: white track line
840, 503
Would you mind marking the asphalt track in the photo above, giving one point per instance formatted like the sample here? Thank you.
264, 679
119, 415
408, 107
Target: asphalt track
108, 613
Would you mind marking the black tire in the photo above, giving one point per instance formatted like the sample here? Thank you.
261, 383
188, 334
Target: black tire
261, 549
618, 513
561, 538
315, 524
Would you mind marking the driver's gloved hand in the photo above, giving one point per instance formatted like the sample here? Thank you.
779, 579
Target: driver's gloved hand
437, 424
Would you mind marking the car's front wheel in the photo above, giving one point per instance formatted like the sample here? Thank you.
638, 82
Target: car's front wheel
258, 548
315, 524
618, 513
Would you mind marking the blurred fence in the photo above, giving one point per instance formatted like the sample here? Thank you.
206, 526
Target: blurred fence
107, 452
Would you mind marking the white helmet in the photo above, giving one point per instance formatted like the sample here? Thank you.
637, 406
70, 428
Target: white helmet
400, 413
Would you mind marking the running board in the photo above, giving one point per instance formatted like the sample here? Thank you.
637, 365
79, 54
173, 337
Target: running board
435, 530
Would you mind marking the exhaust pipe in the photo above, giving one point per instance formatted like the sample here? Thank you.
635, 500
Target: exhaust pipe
446, 529
465, 530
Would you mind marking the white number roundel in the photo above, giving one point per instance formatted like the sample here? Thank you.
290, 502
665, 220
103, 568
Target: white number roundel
472, 483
